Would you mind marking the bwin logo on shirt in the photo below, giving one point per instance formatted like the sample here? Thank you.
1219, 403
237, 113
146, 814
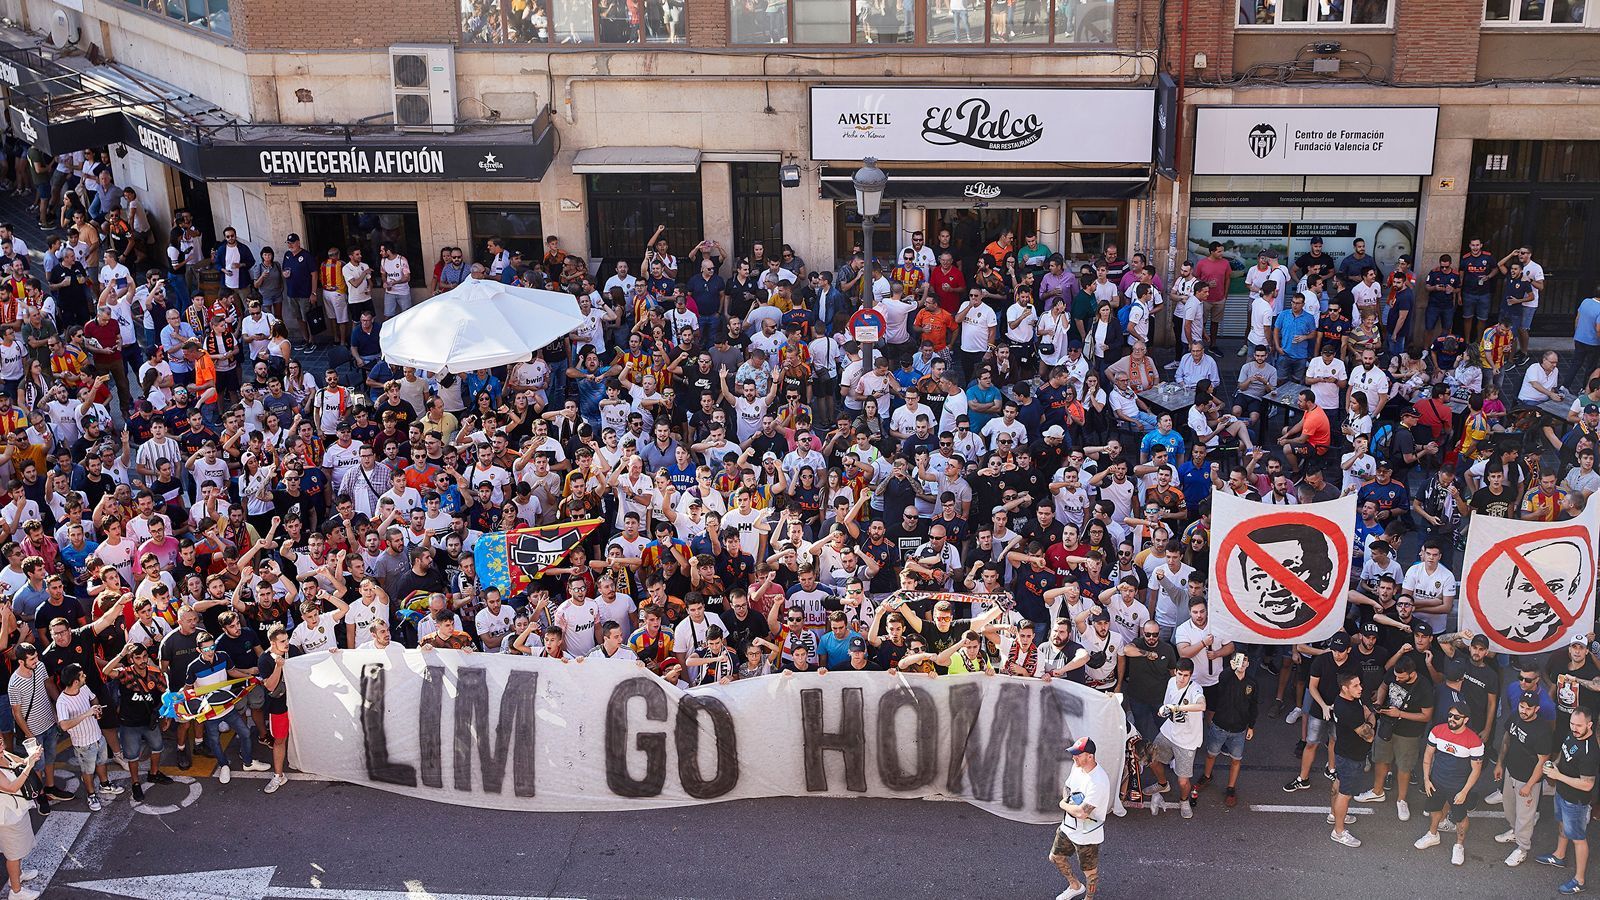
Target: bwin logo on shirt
1262, 139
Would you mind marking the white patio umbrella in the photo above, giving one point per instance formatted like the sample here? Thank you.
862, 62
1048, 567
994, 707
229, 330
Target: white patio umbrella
478, 325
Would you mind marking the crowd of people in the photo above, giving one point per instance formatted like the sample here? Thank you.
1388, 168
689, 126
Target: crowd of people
1014, 478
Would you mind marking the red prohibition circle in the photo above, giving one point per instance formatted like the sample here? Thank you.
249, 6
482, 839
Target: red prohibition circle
1509, 548
1238, 539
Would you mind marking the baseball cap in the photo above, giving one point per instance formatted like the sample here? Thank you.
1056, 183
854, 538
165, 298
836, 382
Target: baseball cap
769, 455
292, 238
858, 643
1410, 412
1580, 642
1370, 628
1055, 431
1421, 627
1101, 616
1081, 745
1340, 641
1529, 699
1385, 464
1480, 642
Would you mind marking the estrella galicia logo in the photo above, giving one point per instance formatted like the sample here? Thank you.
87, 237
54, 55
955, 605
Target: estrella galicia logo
1263, 138
974, 123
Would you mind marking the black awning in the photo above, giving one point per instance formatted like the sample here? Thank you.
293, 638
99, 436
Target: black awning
284, 153
997, 185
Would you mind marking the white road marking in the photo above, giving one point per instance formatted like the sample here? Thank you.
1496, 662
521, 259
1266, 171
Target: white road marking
256, 884
1354, 810
51, 844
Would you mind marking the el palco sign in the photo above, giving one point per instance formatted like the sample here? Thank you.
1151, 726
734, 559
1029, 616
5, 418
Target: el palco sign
993, 125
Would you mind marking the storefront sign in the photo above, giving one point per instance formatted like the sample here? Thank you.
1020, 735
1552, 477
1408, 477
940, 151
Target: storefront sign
973, 187
981, 190
1315, 140
67, 134
990, 125
1345, 199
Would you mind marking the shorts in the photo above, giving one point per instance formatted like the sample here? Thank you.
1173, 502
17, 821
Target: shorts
1181, 759
1517, 316
91, 757
8, 721
1350, 779
1400, 751
42, 190
337, 306
1475, 307
1317, 731
278, 725
1439, 317
257, 698
1443, 795
136, 741
17, 839
1574, 818
1063, 848
1224, 743
1214, 310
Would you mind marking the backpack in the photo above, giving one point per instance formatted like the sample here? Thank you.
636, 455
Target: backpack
1123, 312
1381, 441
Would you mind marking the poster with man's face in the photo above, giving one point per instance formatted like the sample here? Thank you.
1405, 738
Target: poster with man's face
1280, 577
1529, 588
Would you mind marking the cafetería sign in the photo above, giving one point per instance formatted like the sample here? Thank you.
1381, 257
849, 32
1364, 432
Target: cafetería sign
1025, 125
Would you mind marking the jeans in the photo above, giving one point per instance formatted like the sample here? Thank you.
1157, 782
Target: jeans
1291, 369
1145, 720
243, 740
1584, 359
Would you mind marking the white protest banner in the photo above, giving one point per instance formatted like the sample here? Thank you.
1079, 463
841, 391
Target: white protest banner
537, 734
1279, 575
1530, 586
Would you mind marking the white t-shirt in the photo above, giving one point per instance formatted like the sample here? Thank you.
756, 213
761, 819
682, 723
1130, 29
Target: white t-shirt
975, 325
1373, 382
361, 293
1327, 393
396, 267
311, 640
1362, 470
1260, 320
363, 614
1184, 729
1092, 788
490, 624
1532, 272
745, 523
1172, 594
1428, 586
580, 625
1537, 375
1206, 670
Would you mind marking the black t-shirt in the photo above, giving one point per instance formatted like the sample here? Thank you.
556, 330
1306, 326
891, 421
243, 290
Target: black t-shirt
1411, 698
1325, 668
177, 651
1487, 503
1145, 680
1370, 666
741, 631
245, 647
80, 650
1525, 743
277, 700
887, 655
1477, 686
1348, 715
1577, 759
1569, 697
48, 612
140, 701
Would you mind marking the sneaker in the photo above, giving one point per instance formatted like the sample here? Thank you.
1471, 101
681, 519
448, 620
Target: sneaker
43, 805
1297, 784
224, 774
94, 802
1073, 893
1330, 774
161, 778
1231, 798
1185, 810
1156, 804
185, 757
1517, 856
1171, 366
1447, 826
1241, 350
58, 795
1277, 708
119, 759
1458, 855
1573, 886
1403, 810
273, 783
258, 766
1371, 797
110, 790
1550, 859
1495, 797
1429, 839
1293, 716
28, 875
1349, 819
1161, 788
25, 894
1345, 838
1505, 837
137, 791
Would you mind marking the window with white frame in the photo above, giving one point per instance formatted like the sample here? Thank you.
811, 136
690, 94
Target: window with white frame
1534, 12
1318, 13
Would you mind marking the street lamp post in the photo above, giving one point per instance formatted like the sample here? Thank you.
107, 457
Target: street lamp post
869, 182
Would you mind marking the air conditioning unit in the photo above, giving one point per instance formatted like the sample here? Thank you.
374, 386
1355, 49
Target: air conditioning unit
423, 79
65, 28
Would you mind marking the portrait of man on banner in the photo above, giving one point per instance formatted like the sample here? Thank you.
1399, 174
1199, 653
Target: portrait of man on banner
1562, 568
1266, 598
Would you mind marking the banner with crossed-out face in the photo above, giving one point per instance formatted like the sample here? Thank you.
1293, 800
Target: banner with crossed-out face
1530, 586
1279, 575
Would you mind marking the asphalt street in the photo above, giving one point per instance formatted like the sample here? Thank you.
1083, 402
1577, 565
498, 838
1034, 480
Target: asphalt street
342, 842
